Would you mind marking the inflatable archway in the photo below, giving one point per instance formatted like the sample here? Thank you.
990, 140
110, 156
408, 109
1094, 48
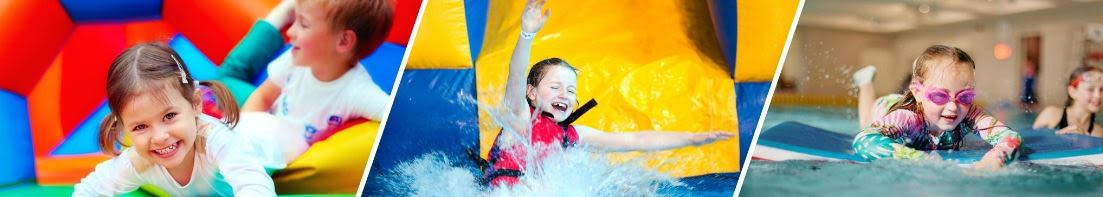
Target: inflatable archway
463, 47
54, 61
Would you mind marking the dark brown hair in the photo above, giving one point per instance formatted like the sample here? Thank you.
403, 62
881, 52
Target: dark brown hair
538, 70
152, 67
370, 20
924, 63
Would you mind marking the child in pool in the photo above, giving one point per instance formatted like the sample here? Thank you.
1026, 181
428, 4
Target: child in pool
935, 113
543, 104
155, 102
1085, 87
321, 85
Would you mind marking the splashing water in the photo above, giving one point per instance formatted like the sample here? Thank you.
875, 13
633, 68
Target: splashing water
573, 172
570, 172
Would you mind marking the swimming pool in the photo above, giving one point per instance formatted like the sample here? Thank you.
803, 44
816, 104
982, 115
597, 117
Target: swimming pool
907, 178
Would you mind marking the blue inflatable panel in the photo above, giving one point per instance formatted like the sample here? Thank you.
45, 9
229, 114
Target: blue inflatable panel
725, 20
427, 116
750, 97
199, 65
91, 11
383, 64
1037, 145
15, 145
84, 139
475, 14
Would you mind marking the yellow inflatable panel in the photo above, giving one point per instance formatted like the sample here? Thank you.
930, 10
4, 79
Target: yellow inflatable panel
652, 65
763, 28
442, 38
334, 165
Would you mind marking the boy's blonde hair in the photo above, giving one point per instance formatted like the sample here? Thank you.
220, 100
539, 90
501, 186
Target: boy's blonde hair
370, 20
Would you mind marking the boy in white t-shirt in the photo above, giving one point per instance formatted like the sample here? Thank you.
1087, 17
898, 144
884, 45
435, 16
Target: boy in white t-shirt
321, 85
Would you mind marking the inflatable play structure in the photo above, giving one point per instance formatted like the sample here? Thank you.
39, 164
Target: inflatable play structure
662, 65
54, 59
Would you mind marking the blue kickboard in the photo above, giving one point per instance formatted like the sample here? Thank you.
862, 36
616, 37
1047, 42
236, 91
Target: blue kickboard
1037, 144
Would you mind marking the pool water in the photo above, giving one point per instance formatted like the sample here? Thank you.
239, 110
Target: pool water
908, 178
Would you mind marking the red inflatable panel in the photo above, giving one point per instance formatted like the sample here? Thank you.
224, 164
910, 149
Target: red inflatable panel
27, 51
405, 14
139, 32
88, 55
215, 26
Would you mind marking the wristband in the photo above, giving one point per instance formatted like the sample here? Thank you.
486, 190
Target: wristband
527, 35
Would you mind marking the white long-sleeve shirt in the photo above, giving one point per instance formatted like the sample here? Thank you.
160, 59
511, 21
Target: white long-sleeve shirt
227, 165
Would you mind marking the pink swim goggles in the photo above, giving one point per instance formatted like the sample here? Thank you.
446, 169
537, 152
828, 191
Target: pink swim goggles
942, 96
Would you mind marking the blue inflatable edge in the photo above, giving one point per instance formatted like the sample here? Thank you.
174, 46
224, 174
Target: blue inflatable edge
750, 98
84, 138
89, 11
475, 14
198, 64
383, 64
15, 146
725, 20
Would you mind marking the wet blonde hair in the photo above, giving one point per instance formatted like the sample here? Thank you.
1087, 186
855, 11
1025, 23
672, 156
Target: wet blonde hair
920, 67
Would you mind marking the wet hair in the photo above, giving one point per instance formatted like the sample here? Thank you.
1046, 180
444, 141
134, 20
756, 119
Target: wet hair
538, 70
151, 67
1076, 77
924, 63
370, 20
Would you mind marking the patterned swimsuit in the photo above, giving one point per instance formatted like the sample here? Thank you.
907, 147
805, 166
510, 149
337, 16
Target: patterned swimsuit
901, 134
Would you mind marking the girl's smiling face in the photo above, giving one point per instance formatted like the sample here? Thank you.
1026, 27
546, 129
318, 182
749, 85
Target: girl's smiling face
163, 127
555, 93
945, 94
1087, 90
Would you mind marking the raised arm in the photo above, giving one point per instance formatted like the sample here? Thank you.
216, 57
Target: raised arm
250, 56
644, 140
514, 101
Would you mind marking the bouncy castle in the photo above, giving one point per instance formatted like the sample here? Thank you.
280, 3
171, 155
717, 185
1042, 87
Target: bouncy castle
54, 56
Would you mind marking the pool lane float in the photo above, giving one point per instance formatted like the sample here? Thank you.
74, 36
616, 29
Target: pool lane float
798, 141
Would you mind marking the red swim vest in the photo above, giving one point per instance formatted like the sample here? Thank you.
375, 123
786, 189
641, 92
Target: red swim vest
506, 165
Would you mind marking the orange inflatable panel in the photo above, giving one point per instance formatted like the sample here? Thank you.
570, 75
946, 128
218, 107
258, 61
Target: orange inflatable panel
57, 170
